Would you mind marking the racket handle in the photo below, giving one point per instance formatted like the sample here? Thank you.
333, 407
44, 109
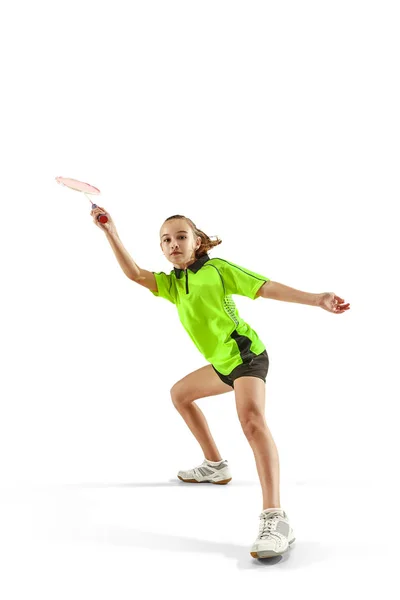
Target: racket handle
102, 218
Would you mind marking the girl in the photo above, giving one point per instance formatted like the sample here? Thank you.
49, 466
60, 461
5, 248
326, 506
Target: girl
201, 288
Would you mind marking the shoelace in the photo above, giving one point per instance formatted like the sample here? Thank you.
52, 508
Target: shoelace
268, 522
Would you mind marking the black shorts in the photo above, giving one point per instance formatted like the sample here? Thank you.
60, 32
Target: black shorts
255, 367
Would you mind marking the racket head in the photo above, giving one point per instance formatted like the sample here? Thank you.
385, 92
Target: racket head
79, 186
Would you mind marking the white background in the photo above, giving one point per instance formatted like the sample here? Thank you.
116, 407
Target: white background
276, 127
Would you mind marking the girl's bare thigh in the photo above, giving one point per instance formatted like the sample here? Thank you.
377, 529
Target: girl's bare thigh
201, 383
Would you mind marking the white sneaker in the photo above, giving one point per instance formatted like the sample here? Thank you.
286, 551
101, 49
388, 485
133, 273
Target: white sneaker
207, 473
275, 534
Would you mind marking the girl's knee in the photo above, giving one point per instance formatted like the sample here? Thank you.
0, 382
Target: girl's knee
176, 394
179, 397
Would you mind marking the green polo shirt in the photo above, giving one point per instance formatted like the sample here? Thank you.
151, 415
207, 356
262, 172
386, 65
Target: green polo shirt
202, 294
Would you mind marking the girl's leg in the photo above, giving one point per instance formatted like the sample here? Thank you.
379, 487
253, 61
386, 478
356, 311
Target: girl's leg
199, 384
198, 425
250, 405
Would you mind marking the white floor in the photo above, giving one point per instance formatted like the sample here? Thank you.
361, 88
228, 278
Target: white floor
164, 537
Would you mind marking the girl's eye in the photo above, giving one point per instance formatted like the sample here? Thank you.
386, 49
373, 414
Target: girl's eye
167, 239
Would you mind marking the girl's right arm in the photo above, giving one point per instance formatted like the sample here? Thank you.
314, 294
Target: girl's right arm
127, 264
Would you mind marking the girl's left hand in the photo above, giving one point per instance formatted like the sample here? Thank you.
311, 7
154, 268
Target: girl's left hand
332, 303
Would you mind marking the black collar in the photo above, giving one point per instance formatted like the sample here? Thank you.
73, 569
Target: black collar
194, 267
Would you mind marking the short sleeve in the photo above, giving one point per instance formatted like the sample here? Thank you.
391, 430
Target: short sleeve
165, 286
239, 280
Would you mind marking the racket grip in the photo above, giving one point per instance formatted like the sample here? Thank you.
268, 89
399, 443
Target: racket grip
102, 218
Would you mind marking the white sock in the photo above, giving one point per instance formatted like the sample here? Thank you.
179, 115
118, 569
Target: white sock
214, 464
272, 509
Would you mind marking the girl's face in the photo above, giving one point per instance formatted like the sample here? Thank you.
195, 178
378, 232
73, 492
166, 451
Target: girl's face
177, 236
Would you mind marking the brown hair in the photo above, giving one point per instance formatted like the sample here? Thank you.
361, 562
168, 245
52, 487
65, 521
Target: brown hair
206, 242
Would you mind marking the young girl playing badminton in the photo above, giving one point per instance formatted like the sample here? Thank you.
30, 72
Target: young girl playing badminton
201, 287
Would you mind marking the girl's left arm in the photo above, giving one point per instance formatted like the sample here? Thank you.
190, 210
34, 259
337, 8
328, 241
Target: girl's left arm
327, 300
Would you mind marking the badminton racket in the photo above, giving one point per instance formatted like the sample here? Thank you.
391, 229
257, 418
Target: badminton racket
86, 189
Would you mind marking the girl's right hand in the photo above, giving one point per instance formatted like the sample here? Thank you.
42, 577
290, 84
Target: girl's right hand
108, 227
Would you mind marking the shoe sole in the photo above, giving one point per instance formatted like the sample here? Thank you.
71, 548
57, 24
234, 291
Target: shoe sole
223, 482
271, 553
